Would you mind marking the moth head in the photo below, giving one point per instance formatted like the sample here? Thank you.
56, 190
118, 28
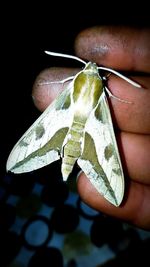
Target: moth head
91, 66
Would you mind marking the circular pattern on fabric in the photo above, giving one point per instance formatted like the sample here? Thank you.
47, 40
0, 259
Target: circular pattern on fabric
36, 232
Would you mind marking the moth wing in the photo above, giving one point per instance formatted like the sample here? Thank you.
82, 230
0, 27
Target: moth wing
42, 142
100, 159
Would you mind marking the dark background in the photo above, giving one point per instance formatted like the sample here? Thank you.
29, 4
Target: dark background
26, 32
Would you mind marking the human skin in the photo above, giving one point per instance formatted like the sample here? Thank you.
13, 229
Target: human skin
125, 49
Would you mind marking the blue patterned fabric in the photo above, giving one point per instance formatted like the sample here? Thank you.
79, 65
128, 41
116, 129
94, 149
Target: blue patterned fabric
45, 223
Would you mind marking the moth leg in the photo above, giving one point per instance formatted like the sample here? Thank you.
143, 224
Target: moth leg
107, 76
117, 98
61, 81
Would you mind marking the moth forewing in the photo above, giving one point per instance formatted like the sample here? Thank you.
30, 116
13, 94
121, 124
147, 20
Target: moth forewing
100, 160
42, 142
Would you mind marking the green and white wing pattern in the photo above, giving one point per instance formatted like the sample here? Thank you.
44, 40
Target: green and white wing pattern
42, 142
76, 127
100, 159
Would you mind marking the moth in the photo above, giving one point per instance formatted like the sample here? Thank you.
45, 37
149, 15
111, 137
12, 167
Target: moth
76, 127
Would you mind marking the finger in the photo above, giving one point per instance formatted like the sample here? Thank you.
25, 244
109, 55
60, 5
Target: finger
116, 47
43, 94
135, 206
135, 152
131, 117
134, 116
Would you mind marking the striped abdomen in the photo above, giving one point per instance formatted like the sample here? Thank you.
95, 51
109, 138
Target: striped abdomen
72, 148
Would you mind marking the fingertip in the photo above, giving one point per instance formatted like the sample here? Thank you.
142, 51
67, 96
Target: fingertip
131, 114
116, 47
134, 208
91, 196
89, 45
44, 92
135, 150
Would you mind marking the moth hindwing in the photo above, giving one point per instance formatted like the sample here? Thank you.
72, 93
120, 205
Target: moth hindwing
76, 127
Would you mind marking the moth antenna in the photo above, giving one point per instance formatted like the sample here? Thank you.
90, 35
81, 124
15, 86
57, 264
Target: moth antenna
121, 76
64, 55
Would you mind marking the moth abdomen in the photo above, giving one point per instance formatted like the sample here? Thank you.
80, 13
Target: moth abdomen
71, 152
72, 148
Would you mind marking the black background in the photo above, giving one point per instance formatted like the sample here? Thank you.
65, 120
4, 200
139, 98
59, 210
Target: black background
26, 31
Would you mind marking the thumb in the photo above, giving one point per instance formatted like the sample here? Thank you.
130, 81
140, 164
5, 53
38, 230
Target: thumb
124, 48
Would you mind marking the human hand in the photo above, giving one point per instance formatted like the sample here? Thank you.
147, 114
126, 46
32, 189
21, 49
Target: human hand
123, 49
